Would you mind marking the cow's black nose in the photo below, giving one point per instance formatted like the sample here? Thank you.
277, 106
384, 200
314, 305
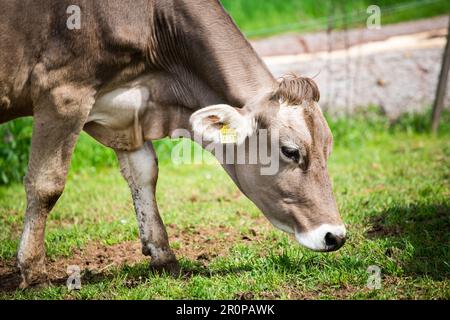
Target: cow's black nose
333, 242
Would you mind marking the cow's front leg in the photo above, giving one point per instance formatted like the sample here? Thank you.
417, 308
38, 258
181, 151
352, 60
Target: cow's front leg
59, 117
140, 170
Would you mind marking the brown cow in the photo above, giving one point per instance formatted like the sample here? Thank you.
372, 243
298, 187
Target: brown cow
136, 70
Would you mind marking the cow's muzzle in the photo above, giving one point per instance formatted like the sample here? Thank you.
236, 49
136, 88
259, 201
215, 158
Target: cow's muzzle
325, 238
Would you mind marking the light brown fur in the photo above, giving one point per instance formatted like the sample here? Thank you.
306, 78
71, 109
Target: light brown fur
188, 55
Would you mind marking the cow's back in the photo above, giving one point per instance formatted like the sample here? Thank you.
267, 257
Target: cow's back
36, 45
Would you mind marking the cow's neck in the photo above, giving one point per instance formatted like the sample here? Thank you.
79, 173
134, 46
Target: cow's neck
202, 46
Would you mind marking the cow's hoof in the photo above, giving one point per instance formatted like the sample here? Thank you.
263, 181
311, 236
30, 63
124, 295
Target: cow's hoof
36, 280
171, 267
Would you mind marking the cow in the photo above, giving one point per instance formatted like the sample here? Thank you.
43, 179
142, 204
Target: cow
134, 71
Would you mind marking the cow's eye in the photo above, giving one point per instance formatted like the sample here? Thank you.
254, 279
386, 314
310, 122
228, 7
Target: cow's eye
291, 153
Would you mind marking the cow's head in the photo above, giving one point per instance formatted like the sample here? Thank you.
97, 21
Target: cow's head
298, 197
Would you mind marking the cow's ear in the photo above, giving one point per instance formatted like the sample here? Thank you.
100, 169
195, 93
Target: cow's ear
222, 123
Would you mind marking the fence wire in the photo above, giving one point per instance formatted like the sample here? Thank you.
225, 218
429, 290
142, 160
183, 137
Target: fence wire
350, 18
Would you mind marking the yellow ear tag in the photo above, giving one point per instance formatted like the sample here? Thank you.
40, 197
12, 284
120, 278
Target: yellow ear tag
227, 134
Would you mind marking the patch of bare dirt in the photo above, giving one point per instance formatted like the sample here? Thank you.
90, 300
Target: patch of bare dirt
379, 229
342, 292
197, 244
205, 244
94, 258
288, 44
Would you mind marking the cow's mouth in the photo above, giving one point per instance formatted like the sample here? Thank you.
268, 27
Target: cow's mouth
324, 238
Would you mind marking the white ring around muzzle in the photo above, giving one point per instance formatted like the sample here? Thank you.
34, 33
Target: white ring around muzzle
315, 239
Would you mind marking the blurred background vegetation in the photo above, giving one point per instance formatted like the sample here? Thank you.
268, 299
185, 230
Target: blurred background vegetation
258, 18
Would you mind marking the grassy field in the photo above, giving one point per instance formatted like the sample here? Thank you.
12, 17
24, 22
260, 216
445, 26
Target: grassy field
259, 18
392, 188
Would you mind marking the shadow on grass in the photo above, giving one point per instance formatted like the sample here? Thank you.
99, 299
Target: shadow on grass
424, 227
9, 281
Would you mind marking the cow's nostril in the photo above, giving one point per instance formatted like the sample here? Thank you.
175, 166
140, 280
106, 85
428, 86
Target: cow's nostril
330, 240
333, 242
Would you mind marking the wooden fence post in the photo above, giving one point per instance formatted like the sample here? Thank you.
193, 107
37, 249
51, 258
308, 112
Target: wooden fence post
442, 85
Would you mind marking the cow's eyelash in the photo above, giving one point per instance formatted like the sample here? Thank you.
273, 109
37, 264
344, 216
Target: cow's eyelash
291, 153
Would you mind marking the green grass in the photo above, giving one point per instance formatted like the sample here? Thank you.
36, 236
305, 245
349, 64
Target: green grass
391, 182
259, 18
